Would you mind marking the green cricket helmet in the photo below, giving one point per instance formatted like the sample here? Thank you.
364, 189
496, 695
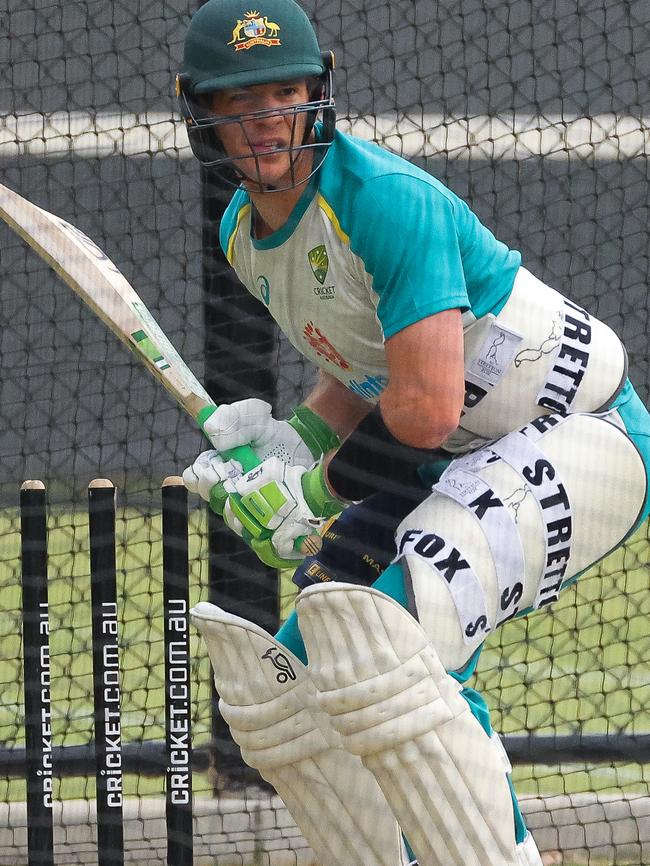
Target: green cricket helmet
229, 44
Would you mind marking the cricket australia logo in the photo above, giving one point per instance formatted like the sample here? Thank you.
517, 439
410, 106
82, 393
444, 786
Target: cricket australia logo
319, 262
281, 663
254, 29
322, 346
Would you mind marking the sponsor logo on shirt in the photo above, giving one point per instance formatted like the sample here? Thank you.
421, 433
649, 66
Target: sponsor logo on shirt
370, 387
264, 289
325, 293
254, 29
322, 346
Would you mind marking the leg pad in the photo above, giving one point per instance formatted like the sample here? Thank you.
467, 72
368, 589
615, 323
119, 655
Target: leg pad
387, 694
269, 702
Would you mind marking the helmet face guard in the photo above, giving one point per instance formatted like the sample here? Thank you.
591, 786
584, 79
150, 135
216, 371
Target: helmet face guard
203, 131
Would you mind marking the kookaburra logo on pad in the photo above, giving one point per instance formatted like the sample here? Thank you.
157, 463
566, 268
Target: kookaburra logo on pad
254, 29
281, 663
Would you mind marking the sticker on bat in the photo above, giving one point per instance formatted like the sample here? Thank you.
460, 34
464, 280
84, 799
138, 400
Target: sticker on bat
164, 345
150, 350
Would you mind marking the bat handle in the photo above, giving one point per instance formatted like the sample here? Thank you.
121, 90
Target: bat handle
308, 545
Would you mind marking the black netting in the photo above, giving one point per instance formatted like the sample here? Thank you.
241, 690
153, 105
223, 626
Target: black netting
535, 112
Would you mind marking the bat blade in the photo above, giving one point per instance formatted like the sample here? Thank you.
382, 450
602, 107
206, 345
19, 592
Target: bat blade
99, 283
92, 275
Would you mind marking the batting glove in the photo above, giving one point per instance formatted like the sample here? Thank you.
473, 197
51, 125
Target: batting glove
210, 476
301, 440
274, 507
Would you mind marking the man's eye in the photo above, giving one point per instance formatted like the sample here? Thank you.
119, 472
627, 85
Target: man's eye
238, 99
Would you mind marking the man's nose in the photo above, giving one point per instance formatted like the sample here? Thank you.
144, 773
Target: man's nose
268, 102
272, 118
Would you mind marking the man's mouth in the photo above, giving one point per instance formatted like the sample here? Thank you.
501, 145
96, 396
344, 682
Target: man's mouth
267, 146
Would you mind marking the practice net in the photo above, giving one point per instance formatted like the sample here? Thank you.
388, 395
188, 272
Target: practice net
535, 113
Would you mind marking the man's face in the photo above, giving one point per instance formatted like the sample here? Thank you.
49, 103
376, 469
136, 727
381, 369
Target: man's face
256, 141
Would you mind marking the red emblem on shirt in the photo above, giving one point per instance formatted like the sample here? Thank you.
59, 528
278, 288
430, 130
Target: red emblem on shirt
322, 346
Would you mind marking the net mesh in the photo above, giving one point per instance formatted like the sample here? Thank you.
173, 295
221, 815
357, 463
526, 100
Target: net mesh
533, 112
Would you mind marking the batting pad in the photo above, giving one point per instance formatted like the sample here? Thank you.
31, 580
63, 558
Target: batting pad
387, 694
269, 702
541, 352
507, 526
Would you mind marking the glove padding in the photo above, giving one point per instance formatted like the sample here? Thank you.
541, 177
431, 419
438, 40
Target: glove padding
250, 422
209, 470
246, 422
301, 440
267, 499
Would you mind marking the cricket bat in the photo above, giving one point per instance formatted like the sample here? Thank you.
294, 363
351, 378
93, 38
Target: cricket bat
99, 283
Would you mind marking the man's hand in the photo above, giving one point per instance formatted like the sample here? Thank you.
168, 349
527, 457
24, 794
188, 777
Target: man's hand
277, 510
300, 441
210, 476
270, 499
266, 506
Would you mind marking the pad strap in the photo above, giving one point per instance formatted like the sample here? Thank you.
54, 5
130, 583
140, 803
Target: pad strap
464, 586
569, 361
462, 482
543, 480
500, 531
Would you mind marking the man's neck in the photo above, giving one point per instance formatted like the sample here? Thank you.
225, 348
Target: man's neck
273, 209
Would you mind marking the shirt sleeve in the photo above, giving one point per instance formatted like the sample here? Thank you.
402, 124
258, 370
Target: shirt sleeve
405, 232
230, 220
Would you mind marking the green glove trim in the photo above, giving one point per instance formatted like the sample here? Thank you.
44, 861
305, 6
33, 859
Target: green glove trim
317, 435
204, 414
242, 453
218, 497
264, 503
317, 494
265, 551
248, 521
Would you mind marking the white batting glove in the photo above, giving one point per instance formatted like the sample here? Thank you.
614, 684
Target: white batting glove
271, 498
250, 422
209, 469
